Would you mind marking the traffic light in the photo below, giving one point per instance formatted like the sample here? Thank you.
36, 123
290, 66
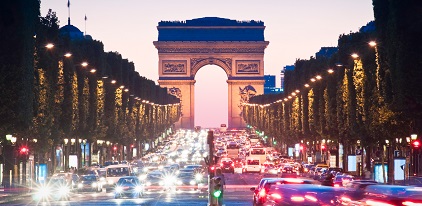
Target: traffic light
24, 150
211, 170
416, 144
217, 192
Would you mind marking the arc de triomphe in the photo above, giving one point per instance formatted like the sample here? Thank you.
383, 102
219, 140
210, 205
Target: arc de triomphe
237, 47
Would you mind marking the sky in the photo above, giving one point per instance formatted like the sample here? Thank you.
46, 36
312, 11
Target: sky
296, 29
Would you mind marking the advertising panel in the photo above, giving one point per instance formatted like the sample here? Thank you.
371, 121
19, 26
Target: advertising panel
398, 171
378, 173
351, 163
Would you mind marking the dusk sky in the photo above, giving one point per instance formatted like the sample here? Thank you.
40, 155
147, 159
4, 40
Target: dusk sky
296, 29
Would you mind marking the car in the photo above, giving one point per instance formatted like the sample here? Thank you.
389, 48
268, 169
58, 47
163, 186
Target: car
158, 180
342, 180
303, 194
129, 186
227, 165
288, 171
260, 192
57, 188
188, 180
269, 168
89, 183
252, 165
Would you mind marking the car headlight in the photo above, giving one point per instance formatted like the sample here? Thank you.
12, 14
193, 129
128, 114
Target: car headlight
179, 182
63, 191
169, 179
80, 185
44, 191
119, 189
198, 176
142, 177
138, 188
102, 179
192, 182
148, 183
145, 169
161, 183
94, 184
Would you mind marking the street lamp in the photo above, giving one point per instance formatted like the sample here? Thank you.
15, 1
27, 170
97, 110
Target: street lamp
84, 144
66, 154
414, 137
100, 148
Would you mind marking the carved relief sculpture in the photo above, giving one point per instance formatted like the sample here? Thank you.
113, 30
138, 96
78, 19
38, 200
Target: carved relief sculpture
247, 67
245, 94
178, 93
174, 67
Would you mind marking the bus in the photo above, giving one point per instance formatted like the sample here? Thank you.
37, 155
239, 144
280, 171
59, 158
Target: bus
114, 172
232, 149
254, 139
258, 153
223, 127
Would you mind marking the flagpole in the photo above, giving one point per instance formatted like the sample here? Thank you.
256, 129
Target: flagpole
68, 9
85, 24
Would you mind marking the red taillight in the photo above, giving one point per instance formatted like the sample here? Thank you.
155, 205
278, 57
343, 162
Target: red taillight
262, 193
410, 203
297, 199
276, 196
336, 185
311, 198
232, 164
345, 199
377, 203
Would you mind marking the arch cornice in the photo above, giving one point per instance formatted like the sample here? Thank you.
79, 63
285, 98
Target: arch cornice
197, 63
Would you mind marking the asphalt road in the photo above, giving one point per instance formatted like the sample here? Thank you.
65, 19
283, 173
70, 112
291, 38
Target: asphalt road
237, 193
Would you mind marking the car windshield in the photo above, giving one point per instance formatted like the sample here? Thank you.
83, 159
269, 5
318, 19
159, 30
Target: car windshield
88, 178
185, 174
118, 171
132, 181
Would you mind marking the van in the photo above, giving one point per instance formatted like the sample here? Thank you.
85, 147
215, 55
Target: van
252, 165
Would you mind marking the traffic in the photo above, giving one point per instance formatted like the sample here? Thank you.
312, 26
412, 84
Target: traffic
243, 171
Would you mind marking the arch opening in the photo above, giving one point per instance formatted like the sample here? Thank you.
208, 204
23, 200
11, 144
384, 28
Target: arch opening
211, 97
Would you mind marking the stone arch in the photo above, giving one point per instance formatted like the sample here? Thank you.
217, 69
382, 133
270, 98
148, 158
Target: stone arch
198, 63
235, 46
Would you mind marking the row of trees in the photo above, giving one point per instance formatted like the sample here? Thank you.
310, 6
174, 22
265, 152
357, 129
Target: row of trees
49, 97
367, 99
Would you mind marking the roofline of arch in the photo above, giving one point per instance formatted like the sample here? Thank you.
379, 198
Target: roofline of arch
164, 79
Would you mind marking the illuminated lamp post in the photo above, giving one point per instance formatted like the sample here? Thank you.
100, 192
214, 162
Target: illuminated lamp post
415, 153
84, 154
66, 154
108, 151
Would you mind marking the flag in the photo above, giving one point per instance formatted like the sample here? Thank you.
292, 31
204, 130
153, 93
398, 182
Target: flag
86, 18
68, 3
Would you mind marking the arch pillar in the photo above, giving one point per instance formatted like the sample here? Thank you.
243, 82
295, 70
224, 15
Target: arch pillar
239, 92
185, 91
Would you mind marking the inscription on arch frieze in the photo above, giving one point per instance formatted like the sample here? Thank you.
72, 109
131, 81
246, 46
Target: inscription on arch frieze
174, 66
247, 67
